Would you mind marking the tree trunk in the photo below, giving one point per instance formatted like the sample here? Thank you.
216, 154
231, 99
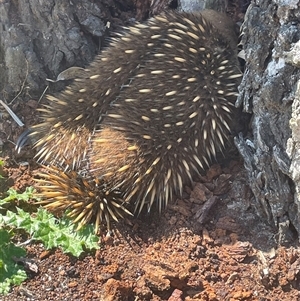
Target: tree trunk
39, 39
269, 91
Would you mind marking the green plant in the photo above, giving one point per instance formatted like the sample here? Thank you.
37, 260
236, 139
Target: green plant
40, 226
10, 272
14, 195
52, 232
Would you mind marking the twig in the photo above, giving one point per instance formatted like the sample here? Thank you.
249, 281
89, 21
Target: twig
43, 93
12, 114
23, 84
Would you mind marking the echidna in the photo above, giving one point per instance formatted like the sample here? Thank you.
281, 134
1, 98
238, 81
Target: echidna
153, 109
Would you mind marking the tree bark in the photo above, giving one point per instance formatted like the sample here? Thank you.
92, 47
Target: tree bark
269, 91
39, 39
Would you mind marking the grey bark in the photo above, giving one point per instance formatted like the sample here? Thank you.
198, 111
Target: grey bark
197, 5
39, 39
269, 91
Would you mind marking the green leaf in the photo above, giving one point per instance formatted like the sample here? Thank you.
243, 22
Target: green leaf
14, 195
43, 226
10, 272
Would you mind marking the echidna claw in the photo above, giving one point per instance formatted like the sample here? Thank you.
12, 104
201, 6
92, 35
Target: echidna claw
23, 140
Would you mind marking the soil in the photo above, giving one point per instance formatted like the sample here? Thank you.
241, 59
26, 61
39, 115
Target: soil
208, 245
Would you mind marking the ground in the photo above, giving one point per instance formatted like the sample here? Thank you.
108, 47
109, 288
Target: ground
208, 245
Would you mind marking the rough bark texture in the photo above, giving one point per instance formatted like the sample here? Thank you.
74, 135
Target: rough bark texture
39, 39
196, 5
268, 91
